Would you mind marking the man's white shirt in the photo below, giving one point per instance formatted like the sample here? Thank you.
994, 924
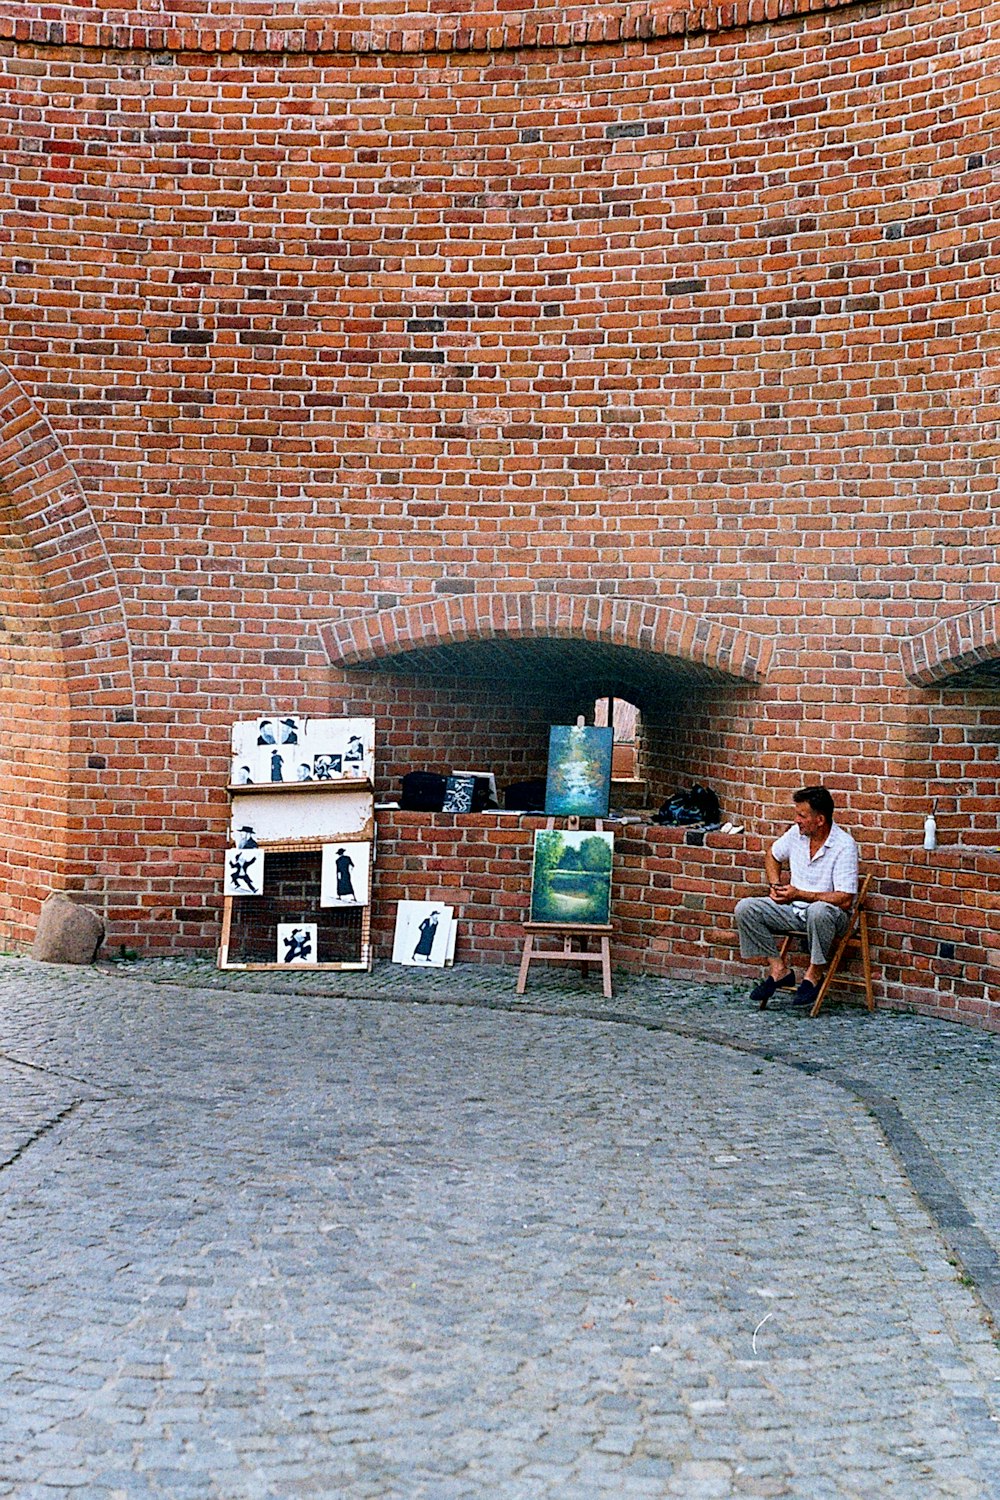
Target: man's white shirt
834, 866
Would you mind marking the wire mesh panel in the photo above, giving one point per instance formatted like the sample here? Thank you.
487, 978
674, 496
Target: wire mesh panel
291, 895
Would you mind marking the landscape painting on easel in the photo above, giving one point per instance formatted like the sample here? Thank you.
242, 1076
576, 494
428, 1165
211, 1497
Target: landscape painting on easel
571, 877
578, 784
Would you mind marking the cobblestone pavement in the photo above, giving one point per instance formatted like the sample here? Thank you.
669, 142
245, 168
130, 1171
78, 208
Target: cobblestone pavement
259, 1242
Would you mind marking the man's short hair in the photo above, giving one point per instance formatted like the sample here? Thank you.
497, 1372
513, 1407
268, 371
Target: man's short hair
819, 800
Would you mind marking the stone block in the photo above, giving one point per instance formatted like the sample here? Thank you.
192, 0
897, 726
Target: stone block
67, 932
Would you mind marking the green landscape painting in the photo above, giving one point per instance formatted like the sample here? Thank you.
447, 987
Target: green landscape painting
571, 877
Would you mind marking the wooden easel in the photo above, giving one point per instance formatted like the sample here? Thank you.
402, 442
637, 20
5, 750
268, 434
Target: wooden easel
568, 932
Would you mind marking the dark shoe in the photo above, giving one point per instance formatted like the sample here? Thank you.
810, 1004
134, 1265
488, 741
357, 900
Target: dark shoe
805, 996
765, 988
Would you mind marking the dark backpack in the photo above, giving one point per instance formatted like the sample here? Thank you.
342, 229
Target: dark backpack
698, 804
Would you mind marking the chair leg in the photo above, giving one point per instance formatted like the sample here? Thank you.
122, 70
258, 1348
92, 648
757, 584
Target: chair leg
866, 963
834, 964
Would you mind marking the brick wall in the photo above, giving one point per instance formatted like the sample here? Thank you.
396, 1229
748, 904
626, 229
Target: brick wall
34, 739
933, 915
322, 313
457, 725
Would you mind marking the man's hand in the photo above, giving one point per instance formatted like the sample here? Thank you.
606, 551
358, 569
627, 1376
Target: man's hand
785, 894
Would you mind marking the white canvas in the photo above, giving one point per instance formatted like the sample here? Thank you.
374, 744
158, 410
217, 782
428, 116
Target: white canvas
296, 943
344, 875
244, 872
421, 938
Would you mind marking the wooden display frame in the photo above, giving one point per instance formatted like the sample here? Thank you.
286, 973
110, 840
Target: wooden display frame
362, 964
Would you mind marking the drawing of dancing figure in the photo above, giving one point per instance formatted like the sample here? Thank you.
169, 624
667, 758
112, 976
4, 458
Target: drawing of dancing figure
239, 868
298, 944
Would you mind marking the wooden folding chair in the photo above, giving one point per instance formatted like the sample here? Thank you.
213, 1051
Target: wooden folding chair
854, 937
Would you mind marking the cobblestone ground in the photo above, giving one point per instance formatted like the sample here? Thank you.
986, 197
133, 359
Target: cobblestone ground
271, 1244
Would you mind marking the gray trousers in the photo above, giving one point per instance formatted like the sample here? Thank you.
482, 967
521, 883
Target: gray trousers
760, 922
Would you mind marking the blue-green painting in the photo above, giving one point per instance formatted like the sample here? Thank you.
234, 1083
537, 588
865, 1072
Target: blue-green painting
571, 877
579, 780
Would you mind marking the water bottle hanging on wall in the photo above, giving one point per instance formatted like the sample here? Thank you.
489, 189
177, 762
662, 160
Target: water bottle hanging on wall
930, 828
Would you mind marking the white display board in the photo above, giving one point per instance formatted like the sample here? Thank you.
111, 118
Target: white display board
288, 749
309, 816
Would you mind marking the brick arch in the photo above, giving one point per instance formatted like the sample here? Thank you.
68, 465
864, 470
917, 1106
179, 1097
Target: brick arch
966, 646
352, 26
364, 640
54, 521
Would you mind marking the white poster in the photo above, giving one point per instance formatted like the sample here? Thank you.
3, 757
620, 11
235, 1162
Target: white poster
244, 872
296, 943
278, 749
423, 934
344, 876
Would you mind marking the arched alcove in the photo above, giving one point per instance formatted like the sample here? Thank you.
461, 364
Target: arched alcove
956, 664
476, 682
65, 669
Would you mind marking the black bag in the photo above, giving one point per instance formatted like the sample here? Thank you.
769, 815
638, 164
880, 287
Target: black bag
526, 796
707, 803
698, 804
423, 791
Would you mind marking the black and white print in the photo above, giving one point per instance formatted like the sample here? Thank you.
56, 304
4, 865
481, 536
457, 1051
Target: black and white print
344, 875
297, 943
244, 872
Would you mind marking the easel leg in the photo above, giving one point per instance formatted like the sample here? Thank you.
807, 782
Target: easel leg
606, 966
522, 973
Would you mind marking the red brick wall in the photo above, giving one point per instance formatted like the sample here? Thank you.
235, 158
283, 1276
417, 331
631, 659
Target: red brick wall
687, 306
933, 916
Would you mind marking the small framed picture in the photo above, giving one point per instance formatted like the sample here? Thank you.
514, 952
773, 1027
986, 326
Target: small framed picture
459, 793
297, 943
579, 773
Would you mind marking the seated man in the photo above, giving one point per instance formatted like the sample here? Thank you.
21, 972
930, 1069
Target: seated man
823, 881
